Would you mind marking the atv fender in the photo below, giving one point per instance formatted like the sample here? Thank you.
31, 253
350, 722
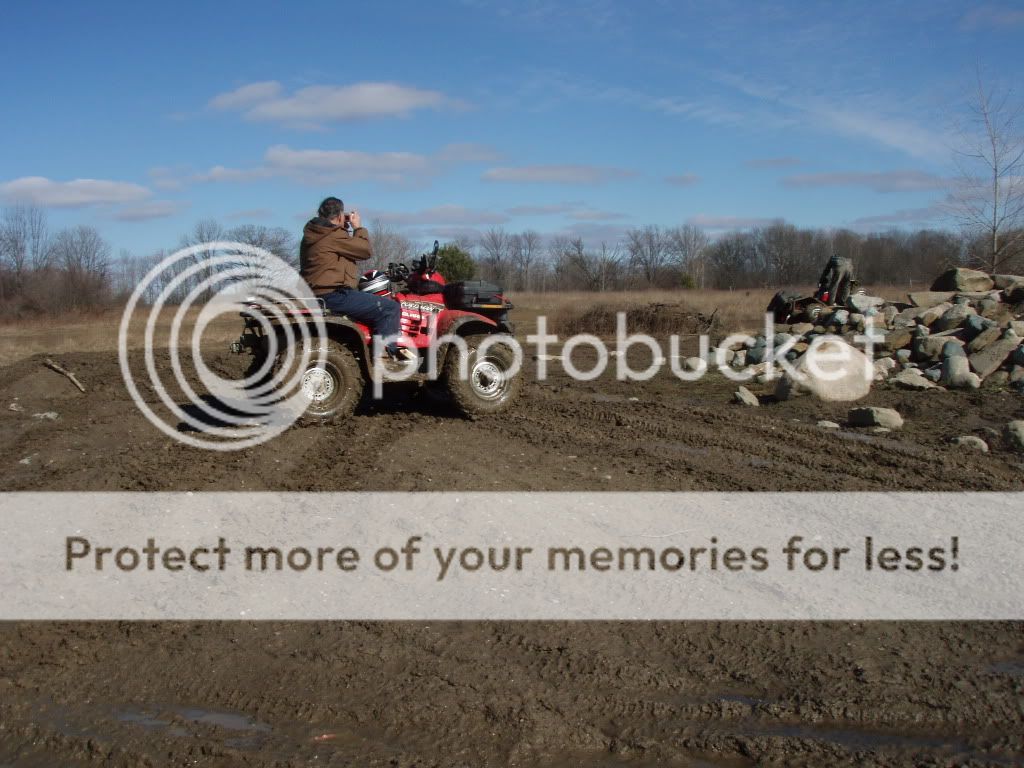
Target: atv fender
459, 323
353, 335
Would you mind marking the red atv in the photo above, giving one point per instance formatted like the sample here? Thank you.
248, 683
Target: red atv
431, 310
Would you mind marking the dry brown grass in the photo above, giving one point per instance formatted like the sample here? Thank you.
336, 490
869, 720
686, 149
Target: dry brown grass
738, 311
656, 318
98, 333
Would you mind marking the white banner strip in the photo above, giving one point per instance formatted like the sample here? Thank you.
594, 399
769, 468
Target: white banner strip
835, 556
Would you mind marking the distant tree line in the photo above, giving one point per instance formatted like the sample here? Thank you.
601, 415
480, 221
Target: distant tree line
685, 257
75, 270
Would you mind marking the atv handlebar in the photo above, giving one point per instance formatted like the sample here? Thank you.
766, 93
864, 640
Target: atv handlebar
426, 263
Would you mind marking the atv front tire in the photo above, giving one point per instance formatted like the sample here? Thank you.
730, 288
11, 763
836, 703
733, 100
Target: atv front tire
487, 389
332, 390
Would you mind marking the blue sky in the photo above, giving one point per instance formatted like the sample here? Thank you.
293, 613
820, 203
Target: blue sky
448, 118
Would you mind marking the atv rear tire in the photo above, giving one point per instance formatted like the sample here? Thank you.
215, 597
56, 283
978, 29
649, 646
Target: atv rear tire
487, 389
334, 389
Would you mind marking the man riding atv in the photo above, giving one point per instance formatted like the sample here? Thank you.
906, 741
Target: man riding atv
332, 244
834, 288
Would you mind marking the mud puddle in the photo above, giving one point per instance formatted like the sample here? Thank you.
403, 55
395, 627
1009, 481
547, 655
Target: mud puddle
248, 734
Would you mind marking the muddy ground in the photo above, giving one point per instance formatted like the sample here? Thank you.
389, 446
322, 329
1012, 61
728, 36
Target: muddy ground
423, 694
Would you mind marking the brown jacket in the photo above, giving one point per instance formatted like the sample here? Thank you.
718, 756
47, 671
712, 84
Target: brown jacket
329, 255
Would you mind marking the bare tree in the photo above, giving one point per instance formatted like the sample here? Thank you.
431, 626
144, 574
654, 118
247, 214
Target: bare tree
989, 196
525, 249
648, 252
205, 231
389, 245
24, 244
495, 249
83, 258
276, 240
730, 259
687, 247
593, 270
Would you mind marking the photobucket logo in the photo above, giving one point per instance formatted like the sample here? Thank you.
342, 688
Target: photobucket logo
200, 284
825, 358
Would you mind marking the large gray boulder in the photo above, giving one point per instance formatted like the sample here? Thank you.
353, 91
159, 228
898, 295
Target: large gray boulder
961, 279
956, 373
745, 397
1015, 435
875, 417
1014, 293
840, 317
840, 380
929, 348
992, 357
975, 324
984, 339
897, 339
991, 308
883, 367
933, 313
970, 442
1002, 282
925, 299
861, 302
912, 379
953, 317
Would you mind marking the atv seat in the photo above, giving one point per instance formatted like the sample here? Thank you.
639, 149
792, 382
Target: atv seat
292, 306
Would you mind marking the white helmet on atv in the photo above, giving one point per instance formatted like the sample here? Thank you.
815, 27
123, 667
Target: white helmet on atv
376, 282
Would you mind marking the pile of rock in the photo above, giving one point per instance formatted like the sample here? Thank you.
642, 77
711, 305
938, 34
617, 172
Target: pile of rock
966, 331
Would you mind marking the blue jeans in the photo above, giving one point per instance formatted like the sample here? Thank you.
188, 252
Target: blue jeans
384, 316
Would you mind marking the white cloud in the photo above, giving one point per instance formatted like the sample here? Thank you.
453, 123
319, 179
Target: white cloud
338, 164
77, 193
317, 166
906, 216
683, 179
457, 154
574, 211
860, 117
251, 213
247, 95
553, 209
762, 163
449, 215
708, 221
885, 181
154, 209
556, 174
165, 178
890, 131
316, 105
220, 173
992, 16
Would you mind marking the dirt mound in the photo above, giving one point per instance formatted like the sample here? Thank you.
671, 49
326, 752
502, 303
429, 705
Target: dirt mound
659, 319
